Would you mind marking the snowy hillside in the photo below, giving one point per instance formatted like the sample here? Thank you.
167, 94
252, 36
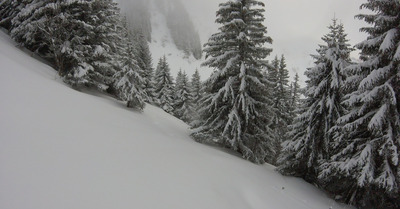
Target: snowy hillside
162, 44
60, 148
151, 17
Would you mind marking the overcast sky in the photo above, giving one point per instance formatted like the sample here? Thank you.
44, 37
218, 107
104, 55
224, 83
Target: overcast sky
296, 26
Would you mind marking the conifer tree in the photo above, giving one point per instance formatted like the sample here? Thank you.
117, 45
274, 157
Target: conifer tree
10, 9
98, 69
281, 98
235, 111
183, 108
272, 74
196, 94
128, 78
54, 30
79, 36
27, 25
178, 81
195, 84
310, 138
295, 93
283, 87
294, 103
143, 56
278, 82
164, 86
366, 158
129, 81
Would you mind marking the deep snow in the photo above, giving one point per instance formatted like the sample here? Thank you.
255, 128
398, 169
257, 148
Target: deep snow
60, 148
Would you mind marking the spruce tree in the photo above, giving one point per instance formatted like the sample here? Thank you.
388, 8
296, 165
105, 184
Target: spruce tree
309, 138
55, 30
196, 94
177, 87
128, 78
145, 63
27, 25
235, 111
78, 36
183, 107
281, 98
195, 84
128, 82
294, 103
164, 86
105, 17
273, 76
178, 81
295, 93
10, 9
278, 83
366, 158
283, 88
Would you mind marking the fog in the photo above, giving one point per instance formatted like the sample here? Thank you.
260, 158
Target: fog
296, 26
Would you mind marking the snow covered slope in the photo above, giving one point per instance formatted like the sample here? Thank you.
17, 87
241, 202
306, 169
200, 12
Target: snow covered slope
155, 18
162, 44
64, 149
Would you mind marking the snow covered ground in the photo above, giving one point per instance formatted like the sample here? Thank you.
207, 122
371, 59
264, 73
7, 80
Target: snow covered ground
64, 149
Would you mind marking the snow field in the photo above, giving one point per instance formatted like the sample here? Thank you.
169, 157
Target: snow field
64, 149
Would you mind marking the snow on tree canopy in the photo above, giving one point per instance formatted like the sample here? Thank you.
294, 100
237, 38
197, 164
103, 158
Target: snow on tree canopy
236, 109
164, 85
310, 138
367, 142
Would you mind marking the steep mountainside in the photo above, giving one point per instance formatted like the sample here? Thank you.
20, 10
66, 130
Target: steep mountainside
169, 29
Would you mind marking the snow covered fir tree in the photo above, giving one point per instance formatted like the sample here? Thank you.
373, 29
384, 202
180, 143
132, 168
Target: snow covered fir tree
183, 107
164, 86
235, 111
78, 36
196, 93
145, 63
365, 159
41, 27
195, 84
295, 92
129, 81
87, 41
96, 69
9, 9
310, 137
278, 77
